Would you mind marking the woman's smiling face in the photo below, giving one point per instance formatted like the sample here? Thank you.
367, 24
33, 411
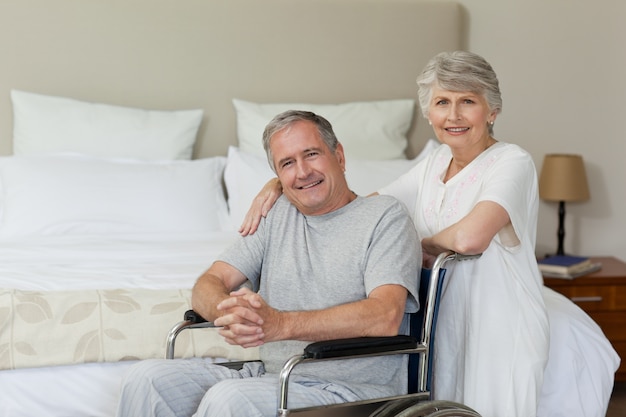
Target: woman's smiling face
460, 119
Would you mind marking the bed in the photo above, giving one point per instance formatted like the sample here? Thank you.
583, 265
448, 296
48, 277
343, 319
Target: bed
130, 149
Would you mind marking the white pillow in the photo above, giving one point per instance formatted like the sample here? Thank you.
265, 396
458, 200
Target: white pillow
2, 158
245, 174
366, 176
46, 124
66, 195
367, 130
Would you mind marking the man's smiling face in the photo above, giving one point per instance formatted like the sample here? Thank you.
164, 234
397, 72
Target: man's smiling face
312, 175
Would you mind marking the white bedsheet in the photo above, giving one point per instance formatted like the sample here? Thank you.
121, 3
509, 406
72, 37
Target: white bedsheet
62, 391
71, 263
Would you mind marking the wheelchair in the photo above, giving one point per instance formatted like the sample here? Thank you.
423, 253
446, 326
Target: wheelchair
418, 345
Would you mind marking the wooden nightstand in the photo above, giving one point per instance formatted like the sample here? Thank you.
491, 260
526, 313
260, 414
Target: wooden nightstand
602, 294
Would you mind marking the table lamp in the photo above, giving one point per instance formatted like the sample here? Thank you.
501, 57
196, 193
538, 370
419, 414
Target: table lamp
563, 179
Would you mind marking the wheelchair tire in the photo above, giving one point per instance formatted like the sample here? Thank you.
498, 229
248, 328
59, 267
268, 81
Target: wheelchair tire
411, 407
392, 408
437, 409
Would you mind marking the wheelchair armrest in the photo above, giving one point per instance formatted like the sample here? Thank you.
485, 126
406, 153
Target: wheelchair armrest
192, 320
358, 346
193, 317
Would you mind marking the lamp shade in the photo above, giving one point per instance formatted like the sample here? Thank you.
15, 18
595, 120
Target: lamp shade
563, 178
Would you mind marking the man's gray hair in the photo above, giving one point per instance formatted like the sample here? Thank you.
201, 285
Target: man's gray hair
285, 119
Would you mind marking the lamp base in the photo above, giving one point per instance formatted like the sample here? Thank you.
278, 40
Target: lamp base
561, 231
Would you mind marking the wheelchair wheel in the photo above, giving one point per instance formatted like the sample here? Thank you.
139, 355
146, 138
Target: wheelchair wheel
438, 409
410, 407
392, 408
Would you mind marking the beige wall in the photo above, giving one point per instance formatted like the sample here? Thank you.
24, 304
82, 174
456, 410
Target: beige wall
562, 69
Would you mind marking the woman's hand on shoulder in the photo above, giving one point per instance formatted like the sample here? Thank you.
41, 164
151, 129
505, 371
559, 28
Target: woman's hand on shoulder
261, 205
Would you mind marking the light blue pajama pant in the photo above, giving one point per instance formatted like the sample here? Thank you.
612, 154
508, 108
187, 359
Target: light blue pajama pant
196, 387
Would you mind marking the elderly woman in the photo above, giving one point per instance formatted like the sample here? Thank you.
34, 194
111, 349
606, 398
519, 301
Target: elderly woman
474, 194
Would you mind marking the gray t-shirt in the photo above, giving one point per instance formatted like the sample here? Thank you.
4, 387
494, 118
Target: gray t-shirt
299, 262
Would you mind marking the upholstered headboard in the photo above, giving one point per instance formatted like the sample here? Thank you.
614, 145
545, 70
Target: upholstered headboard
173, 54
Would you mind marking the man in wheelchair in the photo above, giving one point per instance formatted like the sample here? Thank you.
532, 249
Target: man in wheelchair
325, 264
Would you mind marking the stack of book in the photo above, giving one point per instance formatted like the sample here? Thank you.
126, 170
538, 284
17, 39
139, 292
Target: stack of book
567, 266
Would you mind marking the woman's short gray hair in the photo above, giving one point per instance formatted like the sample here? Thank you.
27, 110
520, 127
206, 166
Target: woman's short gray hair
459, 71
289, 117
